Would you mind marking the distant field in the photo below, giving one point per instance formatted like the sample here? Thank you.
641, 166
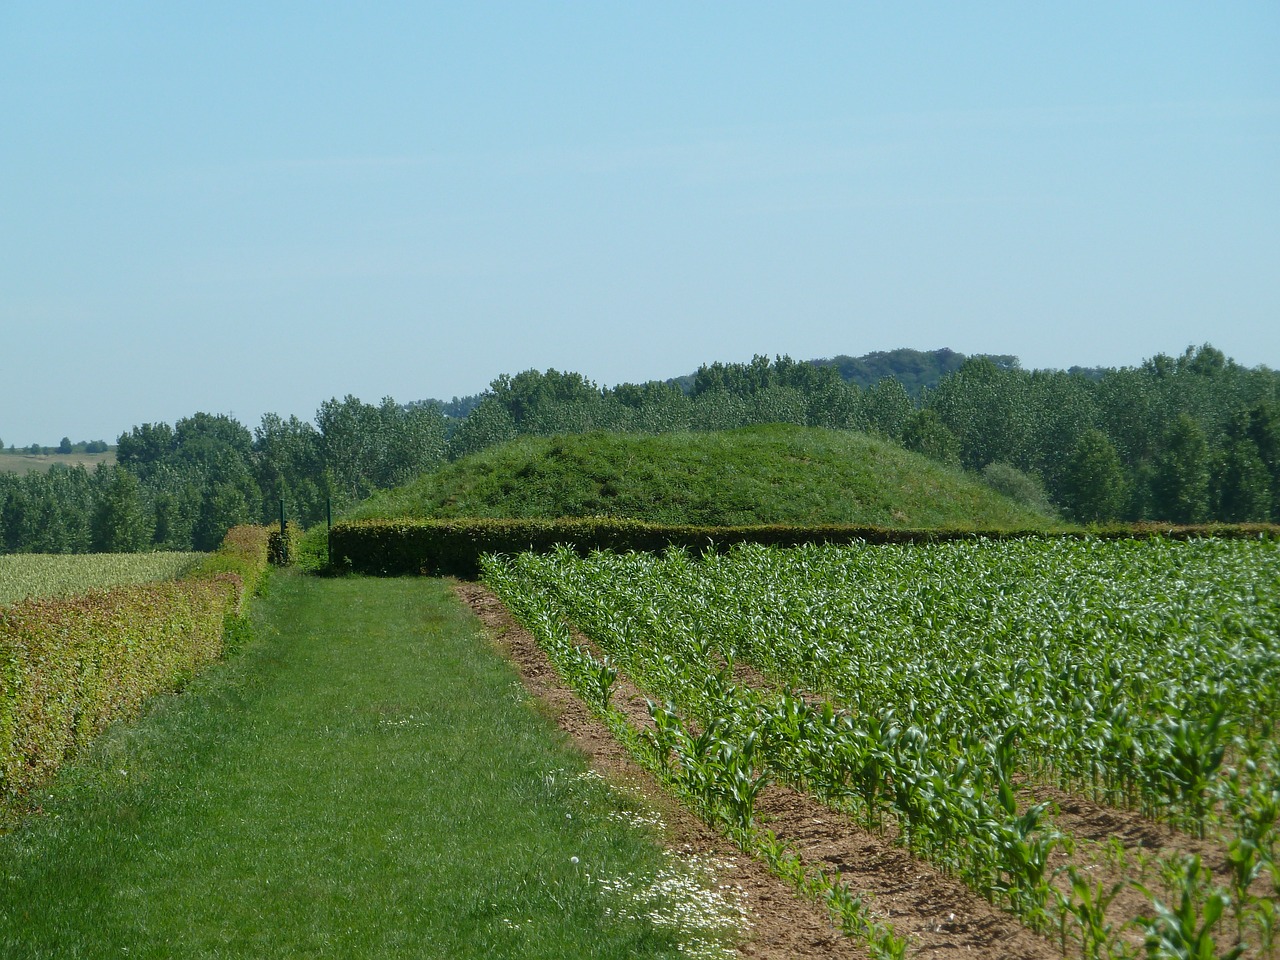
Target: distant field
47, 575
23, 463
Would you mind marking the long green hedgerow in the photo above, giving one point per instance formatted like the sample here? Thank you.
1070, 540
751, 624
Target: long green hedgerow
69, 666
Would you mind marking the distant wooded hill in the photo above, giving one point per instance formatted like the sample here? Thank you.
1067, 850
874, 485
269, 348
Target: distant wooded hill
916, 370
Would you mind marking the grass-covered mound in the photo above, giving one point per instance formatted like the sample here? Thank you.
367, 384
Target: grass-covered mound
756, 475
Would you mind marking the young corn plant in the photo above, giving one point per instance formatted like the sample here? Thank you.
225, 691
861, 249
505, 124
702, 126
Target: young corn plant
849, 911
856, 922
1196, 748
1263, 918
666, 734
700, 769
1023, 847
739, 783
1185, 931
1245, 863
1087, 905
602, 677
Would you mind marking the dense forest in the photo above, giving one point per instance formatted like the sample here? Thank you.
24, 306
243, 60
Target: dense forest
1182, 439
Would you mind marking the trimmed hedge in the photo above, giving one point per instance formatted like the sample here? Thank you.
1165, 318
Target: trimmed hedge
70, 666
443, 547
244, 553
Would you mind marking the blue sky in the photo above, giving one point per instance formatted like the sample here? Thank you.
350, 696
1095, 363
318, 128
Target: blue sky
248, 208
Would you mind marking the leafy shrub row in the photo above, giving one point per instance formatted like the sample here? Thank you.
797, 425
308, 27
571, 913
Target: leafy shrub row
70, 666
443, 547
244, 553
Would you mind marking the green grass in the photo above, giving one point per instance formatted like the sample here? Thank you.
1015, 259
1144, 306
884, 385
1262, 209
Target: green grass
365, 779
48, 575
771, 474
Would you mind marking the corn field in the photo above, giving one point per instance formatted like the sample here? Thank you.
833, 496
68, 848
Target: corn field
54, 575
929, 689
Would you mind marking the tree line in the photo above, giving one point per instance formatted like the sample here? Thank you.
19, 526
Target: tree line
181, 487
1182, 439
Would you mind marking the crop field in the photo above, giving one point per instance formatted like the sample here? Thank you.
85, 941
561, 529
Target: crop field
963, 699
24, 463
50, 575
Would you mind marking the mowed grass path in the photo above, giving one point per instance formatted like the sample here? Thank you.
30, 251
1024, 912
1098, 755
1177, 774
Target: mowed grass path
364, 779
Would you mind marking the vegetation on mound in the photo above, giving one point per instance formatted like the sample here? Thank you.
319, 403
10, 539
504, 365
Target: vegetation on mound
753, 475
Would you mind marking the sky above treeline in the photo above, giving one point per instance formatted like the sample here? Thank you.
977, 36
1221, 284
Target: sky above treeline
248, 208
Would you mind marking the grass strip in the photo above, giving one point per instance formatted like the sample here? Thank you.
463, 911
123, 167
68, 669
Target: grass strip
364, 780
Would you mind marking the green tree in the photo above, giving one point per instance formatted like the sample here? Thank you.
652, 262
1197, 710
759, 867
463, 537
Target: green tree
886, 408
366, 448
487, 425
414, 441
65, 445
530, 397
738, 379
222, 507
120, 520
143, 448
1260, 424
779, 404
177, 494
17, 518
1180, 474
837, 406
652, 407
721, 410
988, 410
1242, 484
925, 433
349, 439
70, 494
215, 441
1095, 486
288, 465
1060, 408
